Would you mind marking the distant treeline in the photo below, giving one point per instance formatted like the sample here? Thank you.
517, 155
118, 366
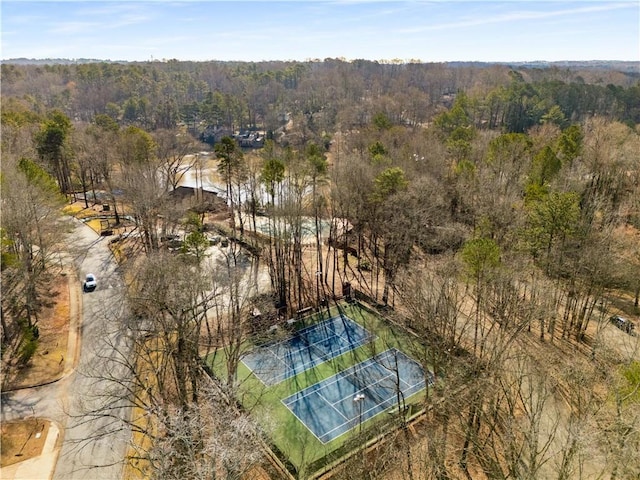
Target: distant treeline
327, 95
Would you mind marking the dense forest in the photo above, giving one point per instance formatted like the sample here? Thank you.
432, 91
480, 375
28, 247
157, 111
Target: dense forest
493, 211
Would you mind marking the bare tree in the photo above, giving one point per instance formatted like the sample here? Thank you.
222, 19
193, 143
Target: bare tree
31, 225
104, 139
185, 424
212, 440
233, 280
174, 150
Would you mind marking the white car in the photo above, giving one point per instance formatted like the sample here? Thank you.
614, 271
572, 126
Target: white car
90, 282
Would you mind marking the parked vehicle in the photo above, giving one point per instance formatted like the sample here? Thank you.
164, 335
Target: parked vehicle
90, 283
623, 324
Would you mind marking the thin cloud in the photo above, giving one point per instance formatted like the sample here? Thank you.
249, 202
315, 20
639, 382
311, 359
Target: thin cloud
89, 26
523, 15
119, 14
27, 19
73, 28
299, 29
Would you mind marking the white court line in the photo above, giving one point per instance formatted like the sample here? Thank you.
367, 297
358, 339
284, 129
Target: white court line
376, 406
303, 423
328, 324
305, 365
363, 414
332, 406
252, 370
349, 420
406, 389
336, 378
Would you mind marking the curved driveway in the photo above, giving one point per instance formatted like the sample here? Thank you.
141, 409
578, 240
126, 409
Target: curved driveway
94, 444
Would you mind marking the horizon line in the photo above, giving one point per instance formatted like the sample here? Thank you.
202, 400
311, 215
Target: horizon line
314, 60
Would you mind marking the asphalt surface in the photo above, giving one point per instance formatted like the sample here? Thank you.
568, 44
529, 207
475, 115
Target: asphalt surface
84, 442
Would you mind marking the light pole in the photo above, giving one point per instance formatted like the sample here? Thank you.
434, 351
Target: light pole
357, 399
318, 275
198, 169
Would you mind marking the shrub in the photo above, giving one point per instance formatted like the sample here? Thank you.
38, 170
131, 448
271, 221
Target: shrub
29, 343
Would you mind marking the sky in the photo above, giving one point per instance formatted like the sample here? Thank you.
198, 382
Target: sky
427, 31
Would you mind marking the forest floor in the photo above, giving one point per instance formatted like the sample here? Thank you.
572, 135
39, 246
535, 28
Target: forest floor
48, 362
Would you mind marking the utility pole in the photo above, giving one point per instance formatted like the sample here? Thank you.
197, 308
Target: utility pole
358, 399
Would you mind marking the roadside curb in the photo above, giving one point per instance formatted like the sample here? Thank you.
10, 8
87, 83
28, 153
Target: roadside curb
75, 324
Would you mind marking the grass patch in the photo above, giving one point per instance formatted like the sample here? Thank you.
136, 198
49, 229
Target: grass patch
296, 444
74, 209
137, 465
94, 224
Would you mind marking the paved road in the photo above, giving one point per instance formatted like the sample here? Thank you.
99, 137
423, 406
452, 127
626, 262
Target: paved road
94, 445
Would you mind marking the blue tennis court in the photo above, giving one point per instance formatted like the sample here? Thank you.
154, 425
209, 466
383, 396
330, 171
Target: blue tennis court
275, 362
345, 400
